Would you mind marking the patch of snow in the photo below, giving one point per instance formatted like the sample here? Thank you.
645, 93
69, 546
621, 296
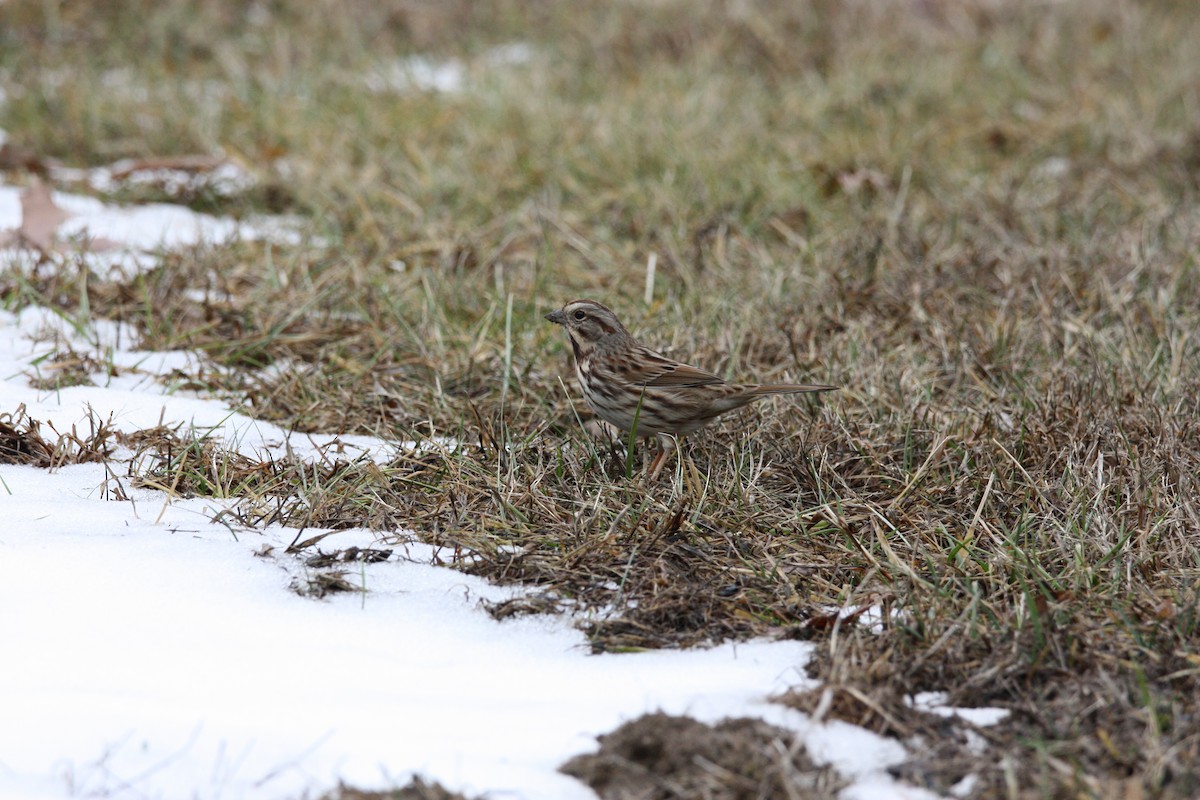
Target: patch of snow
163, 657
935, 703
870, 617
975, 744
884, 787
425, 74
123, 82
225, 179
136, 399
966, 786
512, 53
1052, 168
145, 227
157, 226
416, 73
855, 753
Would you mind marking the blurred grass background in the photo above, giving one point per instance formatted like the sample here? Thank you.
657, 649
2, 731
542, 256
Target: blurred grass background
980, 218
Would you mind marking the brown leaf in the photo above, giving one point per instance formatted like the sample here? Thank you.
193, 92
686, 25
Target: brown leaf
860, 179
195, 163
40, 217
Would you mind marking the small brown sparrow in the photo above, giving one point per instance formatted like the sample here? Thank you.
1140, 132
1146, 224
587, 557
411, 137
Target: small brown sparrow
629, 385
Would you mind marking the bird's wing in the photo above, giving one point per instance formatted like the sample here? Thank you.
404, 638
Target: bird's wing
653, 369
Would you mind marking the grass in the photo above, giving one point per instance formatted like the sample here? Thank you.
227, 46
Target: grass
979, 218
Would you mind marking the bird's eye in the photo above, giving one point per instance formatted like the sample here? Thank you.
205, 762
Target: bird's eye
579, 315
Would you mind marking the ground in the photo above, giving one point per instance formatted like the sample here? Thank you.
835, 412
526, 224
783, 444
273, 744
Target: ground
978, 218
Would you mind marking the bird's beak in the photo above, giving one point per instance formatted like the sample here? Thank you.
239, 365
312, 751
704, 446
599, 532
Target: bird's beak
557, 317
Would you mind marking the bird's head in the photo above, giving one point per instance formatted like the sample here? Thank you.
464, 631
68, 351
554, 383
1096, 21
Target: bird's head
587, 323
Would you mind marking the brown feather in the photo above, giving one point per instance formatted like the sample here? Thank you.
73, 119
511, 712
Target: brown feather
662, 371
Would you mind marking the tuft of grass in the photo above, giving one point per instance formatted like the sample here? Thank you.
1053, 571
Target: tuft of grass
415, 789
658, 755
22, 441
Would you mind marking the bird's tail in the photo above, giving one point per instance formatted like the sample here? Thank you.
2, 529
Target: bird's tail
790, 388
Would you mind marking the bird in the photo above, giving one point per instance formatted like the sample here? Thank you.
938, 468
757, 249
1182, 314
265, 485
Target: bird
637, 389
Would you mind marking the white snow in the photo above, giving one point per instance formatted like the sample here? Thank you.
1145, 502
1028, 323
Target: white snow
139, 229
421, 73
225, 179
165, 658
935, 703
150, 651
135, 400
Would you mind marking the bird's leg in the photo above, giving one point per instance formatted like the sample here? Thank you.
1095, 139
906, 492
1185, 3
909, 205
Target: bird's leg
666, 446
656, 464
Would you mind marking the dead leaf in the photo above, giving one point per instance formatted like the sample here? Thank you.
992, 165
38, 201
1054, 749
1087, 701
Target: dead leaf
851, 181
40, 217
194, 163
859, 179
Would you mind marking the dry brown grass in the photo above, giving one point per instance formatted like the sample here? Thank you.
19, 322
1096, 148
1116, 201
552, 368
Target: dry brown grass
23, 441
979, 218
660, 757
416, 789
